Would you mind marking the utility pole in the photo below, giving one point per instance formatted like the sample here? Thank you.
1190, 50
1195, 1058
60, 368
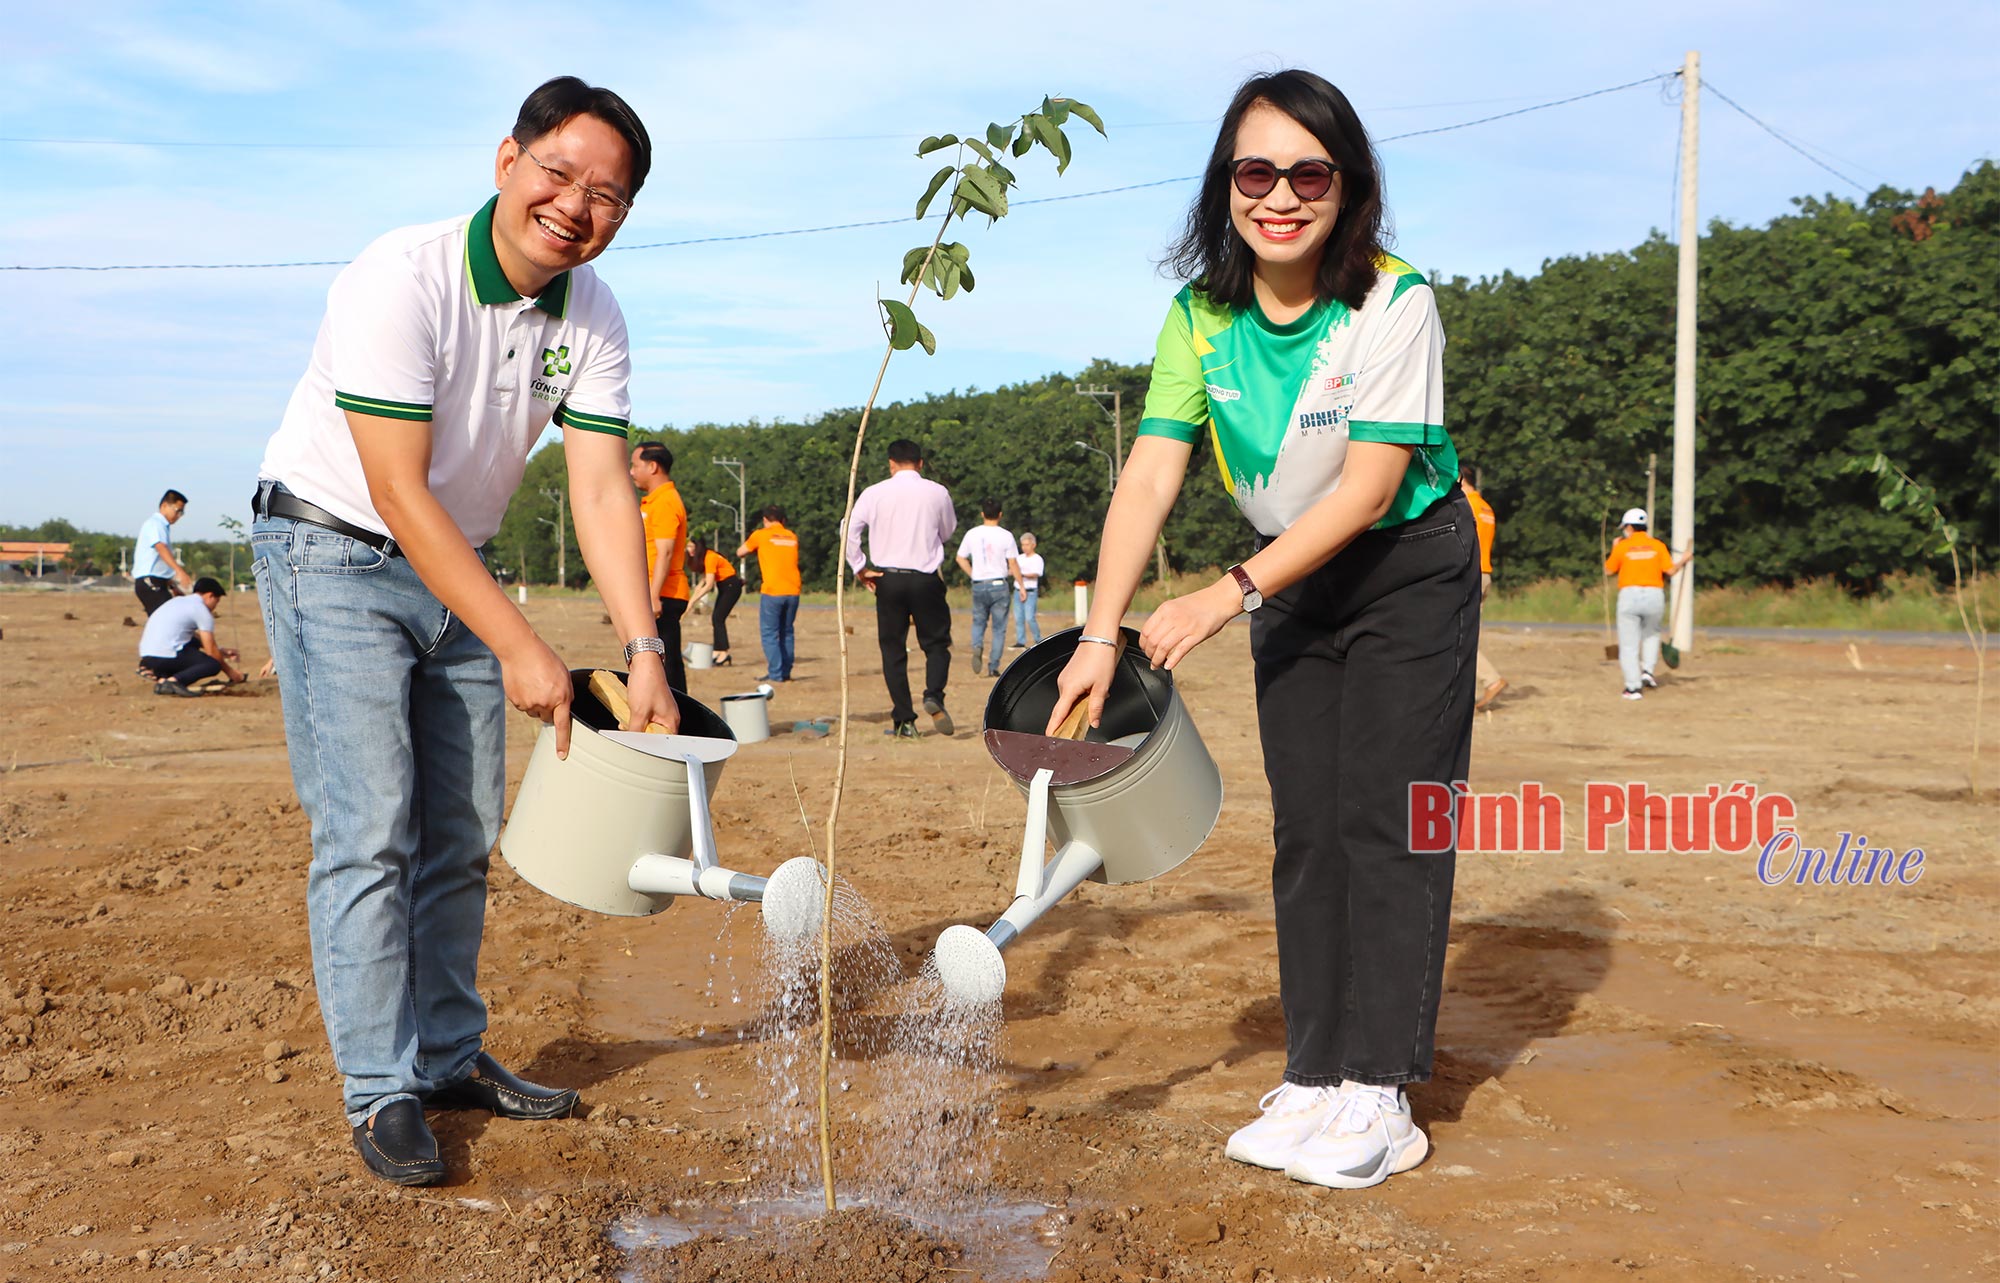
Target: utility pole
1652, 486
562, 536
742, 500
1097, 392
1684, 349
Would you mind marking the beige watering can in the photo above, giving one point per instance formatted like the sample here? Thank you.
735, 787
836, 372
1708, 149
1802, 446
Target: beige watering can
622, 825
1126, 802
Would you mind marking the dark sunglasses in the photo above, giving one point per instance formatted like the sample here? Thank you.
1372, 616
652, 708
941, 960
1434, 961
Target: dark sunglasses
1255, 177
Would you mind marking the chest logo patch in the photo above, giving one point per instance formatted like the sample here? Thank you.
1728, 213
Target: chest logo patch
555, 360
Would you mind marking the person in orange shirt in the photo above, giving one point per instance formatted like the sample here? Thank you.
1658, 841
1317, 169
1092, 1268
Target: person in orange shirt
1642, 564
666, 520
777, 552
1491, 683
720, 578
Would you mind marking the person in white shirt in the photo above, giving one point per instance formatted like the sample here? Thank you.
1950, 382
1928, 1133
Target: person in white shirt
991, 560
1027, 591
445, 353
178, 647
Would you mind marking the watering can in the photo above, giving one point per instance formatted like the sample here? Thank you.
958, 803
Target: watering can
622, 826
1126, 803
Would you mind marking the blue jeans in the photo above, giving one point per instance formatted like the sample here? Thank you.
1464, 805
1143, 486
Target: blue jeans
1025, 618
775, 619
989, 602
394, 717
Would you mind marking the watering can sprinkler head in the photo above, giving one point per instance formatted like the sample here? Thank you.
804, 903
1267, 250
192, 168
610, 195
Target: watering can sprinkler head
794, 897
970, 967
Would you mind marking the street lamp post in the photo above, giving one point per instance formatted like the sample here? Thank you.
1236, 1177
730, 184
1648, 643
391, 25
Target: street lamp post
736, 514
1097, 392
1110, 472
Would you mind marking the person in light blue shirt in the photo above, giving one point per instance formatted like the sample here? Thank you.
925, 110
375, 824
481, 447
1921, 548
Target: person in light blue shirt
157, 575
178, 646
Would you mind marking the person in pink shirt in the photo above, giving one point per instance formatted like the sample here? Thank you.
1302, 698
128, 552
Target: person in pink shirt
907, 519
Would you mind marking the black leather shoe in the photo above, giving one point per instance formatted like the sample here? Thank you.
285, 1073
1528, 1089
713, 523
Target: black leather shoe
492, 1088
398, 1146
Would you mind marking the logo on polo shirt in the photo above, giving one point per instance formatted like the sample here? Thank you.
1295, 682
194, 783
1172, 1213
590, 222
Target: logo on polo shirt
1223, 394
555, 360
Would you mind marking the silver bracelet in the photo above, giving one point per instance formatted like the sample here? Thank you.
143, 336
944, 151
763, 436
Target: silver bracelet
1102, 641
638, 644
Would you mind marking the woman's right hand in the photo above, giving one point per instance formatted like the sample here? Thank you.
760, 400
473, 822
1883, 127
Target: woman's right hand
1087, 676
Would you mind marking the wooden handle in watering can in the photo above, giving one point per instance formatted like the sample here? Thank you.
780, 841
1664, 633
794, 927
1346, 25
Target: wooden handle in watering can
1077, 724
609, 689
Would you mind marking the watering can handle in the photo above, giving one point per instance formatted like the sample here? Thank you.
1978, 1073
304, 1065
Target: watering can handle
1031, 877
704, 832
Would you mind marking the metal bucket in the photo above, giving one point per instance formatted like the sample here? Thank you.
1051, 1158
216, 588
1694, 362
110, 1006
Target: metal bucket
700, 655
749, 717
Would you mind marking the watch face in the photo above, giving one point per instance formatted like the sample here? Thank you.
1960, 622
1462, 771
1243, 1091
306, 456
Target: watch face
1252, 600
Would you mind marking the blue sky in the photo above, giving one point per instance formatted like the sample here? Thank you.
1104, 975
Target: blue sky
784, 115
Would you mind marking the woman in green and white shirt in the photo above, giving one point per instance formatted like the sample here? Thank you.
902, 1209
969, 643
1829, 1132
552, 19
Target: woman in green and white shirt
1314, 361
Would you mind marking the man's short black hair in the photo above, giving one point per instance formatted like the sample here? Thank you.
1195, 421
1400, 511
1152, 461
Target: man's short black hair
989, 509
206, 584
775, 513
903, 450
563, 99
173, 496
655, 453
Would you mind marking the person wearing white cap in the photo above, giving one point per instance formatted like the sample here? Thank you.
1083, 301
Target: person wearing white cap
1642, 564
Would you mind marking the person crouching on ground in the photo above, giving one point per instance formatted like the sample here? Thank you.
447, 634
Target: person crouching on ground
178, 647
1314, 361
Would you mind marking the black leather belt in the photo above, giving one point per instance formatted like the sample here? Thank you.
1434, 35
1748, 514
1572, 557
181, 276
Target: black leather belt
283, 503
903, 570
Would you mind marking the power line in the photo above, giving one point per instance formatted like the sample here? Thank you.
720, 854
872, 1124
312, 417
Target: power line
828, 227
1745, 113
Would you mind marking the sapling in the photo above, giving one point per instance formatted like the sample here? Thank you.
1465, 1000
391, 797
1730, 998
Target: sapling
979, 181
1899, 491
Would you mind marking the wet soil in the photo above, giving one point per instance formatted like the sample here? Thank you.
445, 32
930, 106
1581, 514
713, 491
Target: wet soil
1649, 1066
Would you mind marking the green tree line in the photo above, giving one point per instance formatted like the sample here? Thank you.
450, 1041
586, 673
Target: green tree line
1838, 330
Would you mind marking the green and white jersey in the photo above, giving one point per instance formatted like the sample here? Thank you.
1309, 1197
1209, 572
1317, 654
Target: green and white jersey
1281, 402
424, 327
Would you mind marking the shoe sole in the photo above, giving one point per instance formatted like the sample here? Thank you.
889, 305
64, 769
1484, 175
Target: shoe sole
1412, 1153
942, 721
1232, 1152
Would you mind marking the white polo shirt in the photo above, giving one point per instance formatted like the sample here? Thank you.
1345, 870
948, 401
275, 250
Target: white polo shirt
424, 327
169, 628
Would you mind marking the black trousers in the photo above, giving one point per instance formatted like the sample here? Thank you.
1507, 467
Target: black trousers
727, 594
153, 591
1364, 687
669, 624
191, 665
903, 598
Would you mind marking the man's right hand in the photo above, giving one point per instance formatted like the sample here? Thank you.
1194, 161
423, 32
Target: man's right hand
185, 580
869, 578
538, 684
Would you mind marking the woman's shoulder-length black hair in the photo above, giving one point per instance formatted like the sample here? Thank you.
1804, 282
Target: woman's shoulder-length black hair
1212, 254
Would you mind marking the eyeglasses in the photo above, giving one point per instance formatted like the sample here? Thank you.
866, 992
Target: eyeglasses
1255, 177
602, 204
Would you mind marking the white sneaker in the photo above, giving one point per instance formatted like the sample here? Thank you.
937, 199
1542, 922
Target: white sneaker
1368, 1138
1292, 1114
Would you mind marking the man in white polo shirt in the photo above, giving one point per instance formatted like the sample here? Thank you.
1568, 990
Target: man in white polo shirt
989, 557
445, 352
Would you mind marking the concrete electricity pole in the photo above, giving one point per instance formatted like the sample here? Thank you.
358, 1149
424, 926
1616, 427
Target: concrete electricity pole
1097, 392
1684, 350
562, 536
742, 508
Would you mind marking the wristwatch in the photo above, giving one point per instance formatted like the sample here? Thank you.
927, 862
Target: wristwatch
1251, 597
638, 644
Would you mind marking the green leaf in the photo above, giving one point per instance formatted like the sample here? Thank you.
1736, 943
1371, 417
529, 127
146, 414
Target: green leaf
1056, 109
948, 279
983, 191
1004, 174
913, 262
936, 143
985, 152
928, 339
999, 136
964, 278
1079, 109
937, 181
1021, 144
1052, 138
902, 324
956, 251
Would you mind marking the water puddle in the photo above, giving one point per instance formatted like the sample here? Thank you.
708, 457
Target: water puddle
1002, 1241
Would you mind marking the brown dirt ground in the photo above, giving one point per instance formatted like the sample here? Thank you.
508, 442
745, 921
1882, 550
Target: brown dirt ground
1648, 1066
